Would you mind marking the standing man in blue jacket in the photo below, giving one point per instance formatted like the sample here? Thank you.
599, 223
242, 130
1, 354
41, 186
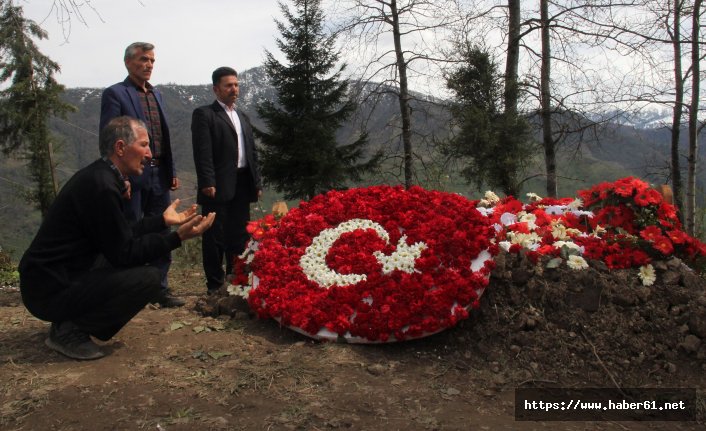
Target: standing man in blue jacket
149, 192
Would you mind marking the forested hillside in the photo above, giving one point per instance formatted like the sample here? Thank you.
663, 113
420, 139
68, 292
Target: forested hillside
617, 150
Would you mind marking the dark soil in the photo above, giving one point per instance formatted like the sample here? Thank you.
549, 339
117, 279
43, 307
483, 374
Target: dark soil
211, 365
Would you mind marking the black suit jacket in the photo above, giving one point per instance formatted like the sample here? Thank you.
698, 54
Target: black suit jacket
215, 145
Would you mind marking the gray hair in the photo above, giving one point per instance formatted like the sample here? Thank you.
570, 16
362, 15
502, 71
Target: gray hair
118, 129
131, 50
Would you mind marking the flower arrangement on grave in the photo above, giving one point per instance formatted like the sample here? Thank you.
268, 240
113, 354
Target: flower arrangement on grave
372, 264
625, 224
383, 263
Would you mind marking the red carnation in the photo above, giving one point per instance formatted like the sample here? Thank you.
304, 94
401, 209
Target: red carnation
677, 236
667, 212
650, 233
648, 197
663, 245
624, 188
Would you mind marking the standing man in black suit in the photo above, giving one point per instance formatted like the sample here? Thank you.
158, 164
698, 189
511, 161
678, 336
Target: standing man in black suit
227, 172
148, 192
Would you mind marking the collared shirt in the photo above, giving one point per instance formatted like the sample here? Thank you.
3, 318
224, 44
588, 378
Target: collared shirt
233, 115
154, 123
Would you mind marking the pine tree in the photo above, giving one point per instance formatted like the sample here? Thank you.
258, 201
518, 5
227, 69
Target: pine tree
301, 156
32, 97
495, 146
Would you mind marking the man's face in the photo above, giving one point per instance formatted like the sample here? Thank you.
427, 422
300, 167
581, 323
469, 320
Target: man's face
227, 90
133, 157
139, 67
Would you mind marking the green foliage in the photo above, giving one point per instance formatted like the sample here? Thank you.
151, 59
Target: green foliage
32, 97
495, 147
8, 270
301, 156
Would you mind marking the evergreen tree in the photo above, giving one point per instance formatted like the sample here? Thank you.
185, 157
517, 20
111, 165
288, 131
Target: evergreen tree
301, 156
32, 97
495, 146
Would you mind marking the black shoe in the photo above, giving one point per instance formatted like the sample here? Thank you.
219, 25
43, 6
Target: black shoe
166, 300
217, 289
70, 341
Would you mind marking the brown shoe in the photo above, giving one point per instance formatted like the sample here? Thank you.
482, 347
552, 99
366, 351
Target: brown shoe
67, 339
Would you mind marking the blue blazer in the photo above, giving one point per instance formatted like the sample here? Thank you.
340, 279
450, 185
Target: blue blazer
122, 99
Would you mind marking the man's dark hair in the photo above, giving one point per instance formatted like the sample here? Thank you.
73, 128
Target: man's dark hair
131, 50
221, 72
118, 129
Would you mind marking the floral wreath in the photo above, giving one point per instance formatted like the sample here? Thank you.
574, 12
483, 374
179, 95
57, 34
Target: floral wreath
625, 224
373, 264
383, 263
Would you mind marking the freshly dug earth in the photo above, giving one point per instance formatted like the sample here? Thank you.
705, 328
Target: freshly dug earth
212, 366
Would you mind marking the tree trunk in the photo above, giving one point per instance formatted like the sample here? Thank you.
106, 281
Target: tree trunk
52, 167
677, 112
511, 90
44, 174
513, 59
546, 108
693, 120
43, 155
403, 97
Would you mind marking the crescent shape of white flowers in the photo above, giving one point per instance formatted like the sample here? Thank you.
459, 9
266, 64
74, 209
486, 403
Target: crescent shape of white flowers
313, 262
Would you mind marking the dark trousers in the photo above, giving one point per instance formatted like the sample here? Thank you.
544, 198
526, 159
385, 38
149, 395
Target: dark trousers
101, 301
150, 196
227, 236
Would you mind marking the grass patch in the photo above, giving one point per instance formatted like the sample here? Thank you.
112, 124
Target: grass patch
9, 276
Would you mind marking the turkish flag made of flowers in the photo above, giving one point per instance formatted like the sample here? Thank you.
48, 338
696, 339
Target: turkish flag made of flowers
375, 264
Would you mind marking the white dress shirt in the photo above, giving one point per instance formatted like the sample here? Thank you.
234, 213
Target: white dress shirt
233, 115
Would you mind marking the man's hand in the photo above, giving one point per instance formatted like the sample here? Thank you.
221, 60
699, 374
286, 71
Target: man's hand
209, 191
195, 226
175, 184
172, 217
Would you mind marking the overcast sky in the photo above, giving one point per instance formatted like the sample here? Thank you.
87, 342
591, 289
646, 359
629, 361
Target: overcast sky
191, 38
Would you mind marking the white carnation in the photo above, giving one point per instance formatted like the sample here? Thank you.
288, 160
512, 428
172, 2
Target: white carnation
576, 204
576, 262
491, 197
525, 240
647, 275
530, 219
239, 290
485, 211
508, 218
534, 197
505, 245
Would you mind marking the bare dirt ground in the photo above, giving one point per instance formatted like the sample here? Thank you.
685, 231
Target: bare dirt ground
176, 369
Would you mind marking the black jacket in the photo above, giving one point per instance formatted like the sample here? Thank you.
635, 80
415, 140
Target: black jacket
86, 220
215, 145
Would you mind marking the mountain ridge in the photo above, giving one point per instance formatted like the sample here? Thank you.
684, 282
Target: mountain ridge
621, 149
